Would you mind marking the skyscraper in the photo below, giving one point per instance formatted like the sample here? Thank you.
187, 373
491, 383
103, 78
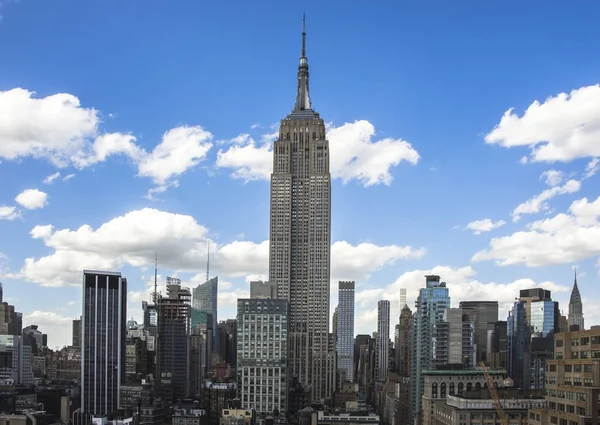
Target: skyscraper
204, 306
383, 340
103, 336
576, 308
432, 302
173, 332
300, 235
345, 330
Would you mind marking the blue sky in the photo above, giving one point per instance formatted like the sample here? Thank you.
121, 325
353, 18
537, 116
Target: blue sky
158, 117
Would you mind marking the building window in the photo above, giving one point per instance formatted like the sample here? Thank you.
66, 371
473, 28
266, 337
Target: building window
434, 388
443, 390
452, 388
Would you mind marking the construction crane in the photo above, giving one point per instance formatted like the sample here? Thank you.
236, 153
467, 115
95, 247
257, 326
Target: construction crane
494, 394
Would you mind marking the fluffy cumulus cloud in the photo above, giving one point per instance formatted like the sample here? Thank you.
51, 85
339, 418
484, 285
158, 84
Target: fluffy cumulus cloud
562, 128
8, 212
564, 238
32, 199
354, 155
552, 177
540, 202
485, 225
132, 239
54, 324
57, 128
463, 286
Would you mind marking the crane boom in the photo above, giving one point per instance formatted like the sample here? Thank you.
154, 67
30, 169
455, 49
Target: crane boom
494, 394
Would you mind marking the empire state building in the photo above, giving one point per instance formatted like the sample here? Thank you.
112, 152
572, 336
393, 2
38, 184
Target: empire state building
300, 237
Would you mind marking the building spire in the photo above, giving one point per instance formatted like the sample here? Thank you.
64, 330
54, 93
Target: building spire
302, 96
207, 261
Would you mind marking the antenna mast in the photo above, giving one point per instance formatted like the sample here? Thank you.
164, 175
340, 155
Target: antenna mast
207, 261
155, 296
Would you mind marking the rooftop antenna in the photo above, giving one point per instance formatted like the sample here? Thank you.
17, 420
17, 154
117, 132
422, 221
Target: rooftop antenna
207, 261
155, 296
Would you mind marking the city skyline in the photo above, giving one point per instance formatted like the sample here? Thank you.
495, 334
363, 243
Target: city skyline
432, 190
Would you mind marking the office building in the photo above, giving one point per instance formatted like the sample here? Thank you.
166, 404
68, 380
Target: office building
204, 307
483, 314
103, 325
262, 351
76, 333
575, 309
573, 381
260, 289
300, 236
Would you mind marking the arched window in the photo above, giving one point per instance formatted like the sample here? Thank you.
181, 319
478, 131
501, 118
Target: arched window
434, 390
452, 388
469, 386
478, 386
443, 390
461, 386
495, 384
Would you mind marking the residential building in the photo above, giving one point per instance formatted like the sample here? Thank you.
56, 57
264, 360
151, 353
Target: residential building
454, 339
345, 330
173, 337
262, 350
300, 236
383, 341
103, 325
432, 302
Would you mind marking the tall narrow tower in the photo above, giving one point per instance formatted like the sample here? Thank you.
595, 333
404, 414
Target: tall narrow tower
576, 307
300, 234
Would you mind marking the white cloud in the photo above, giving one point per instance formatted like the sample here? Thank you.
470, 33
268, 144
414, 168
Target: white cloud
354, 155
552, 177
562, 128
68, 177
462, 284
56, 326
182, 245
57, 128
485, 225
32, 199
51, 178
564, 238
540, 202
592, 168
8, 212
249, 161
180, 149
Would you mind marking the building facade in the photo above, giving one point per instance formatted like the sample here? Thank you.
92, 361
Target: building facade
573, 381
260, 289
432, 302
383, 340
103, 335
483, 314
300, 235
205, 306
262, 354
345, 330
173, 337
576, 308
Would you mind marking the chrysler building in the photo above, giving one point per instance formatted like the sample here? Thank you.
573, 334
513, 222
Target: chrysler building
300, 237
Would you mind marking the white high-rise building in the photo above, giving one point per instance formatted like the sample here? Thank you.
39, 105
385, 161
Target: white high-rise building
345, 330
300, 237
